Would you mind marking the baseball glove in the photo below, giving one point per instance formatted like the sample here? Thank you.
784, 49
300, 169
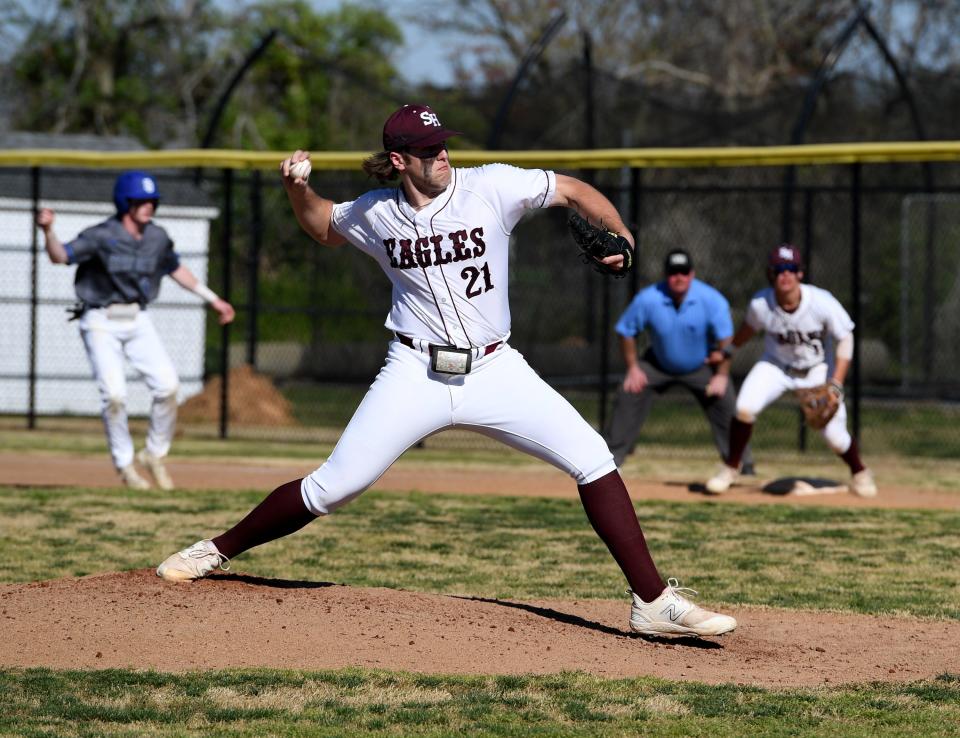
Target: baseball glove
819, 404
598, 243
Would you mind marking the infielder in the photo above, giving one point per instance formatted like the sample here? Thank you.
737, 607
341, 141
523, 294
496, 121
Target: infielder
688, 323
442, 238
120, 263
797, 319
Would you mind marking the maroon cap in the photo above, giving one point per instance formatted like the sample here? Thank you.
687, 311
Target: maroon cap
785, 253
414, 125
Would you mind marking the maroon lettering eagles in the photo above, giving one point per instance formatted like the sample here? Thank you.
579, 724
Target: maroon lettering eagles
428, 251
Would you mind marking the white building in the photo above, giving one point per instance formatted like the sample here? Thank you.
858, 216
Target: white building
82, 197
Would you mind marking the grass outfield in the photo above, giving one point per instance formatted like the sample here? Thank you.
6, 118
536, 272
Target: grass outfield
856, 560
41, 702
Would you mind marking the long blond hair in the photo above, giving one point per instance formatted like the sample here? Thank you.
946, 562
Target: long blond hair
380, 167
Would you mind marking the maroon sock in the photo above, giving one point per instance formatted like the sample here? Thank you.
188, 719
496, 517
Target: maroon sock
612, 516
739, 438
280, 514
852, 457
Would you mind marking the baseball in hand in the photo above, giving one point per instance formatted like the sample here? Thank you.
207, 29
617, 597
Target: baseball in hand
300, 170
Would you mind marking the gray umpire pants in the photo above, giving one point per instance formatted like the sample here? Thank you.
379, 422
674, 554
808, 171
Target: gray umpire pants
630, 409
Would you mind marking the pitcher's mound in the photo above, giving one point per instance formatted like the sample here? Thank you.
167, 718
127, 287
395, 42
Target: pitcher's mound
135, 620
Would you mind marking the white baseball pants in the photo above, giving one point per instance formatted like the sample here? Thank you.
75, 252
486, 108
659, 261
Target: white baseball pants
766, 382
501, 397
108, 340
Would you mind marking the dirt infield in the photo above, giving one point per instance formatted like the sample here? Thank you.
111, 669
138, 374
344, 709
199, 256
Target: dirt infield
534, 480
133, 619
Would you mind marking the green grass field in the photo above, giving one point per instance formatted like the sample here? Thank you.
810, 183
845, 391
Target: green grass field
41, 702
844, 559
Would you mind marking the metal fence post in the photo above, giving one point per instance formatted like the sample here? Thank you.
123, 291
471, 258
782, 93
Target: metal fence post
253, 266
604, 351
635, 214
225, 330
808, 269
34, 297
855, 288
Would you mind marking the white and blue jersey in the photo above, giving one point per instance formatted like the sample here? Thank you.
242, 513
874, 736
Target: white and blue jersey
114, 267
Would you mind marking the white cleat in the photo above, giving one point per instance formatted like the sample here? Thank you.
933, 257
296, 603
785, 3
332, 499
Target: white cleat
673, 614
192, 563
862, 484
721, 481
132, 479
158, 471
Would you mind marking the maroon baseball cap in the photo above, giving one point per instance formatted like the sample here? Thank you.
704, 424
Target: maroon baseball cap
414, 125
785, 253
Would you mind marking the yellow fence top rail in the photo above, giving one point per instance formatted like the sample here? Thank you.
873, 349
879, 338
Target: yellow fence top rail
740, 156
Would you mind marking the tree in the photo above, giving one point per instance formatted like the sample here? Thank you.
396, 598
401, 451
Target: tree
689, 72
154, 70
326, 83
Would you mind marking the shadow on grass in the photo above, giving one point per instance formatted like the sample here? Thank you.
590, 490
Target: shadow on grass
568, 619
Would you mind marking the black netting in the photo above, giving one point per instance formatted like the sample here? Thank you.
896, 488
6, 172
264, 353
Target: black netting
310, 319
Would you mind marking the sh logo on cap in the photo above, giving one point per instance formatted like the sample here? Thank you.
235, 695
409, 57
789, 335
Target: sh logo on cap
414, 126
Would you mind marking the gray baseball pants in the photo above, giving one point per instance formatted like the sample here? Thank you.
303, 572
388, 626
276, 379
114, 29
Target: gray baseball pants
630, 409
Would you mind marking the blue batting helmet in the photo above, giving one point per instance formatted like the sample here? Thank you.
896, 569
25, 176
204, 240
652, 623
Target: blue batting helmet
134, 186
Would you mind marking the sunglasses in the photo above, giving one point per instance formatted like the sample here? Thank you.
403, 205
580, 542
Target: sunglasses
426, 152
685, 271
781, 268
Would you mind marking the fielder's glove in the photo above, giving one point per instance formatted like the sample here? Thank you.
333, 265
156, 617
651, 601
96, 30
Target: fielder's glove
820, 404
598, 243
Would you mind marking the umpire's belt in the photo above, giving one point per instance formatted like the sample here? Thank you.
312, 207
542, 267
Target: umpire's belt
480, 351
796, 372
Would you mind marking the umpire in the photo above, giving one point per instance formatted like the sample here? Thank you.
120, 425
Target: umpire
689, 324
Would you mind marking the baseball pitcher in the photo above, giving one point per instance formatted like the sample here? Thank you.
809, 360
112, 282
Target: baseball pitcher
442, 239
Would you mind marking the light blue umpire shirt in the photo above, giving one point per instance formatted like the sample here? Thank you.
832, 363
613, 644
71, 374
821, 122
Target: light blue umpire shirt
680, 336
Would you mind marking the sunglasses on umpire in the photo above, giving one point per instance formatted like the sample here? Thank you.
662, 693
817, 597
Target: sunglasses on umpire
685, 271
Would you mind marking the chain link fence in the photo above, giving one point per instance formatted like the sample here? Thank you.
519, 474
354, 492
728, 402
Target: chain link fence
309, 336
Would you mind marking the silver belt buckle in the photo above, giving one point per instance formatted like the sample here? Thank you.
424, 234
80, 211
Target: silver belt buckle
450, 359
122, 311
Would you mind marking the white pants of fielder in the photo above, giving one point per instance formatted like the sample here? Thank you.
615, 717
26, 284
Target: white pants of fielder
501, 397
108, 341
766, 382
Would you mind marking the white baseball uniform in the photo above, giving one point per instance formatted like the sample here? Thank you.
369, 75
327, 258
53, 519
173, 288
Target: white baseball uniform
448, 263
794, 356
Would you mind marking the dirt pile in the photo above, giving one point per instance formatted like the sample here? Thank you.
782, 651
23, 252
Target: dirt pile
252, 400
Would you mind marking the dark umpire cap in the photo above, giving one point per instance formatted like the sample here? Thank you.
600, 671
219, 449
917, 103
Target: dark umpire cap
678, 261
785, 253
414, 126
